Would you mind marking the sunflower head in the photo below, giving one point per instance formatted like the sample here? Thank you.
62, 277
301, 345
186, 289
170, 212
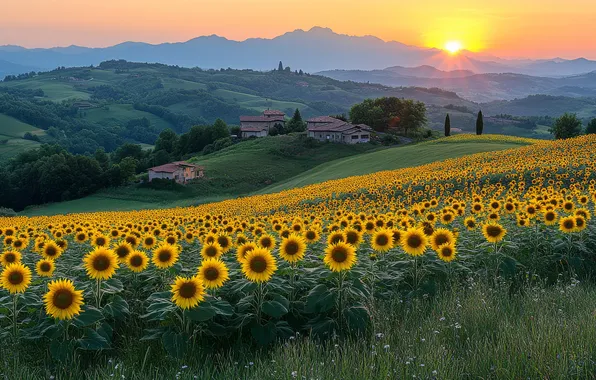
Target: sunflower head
414, 241
122, 250
446, 252
137, 261
165, 256
211, 250
187, 292
266, 241
62, 300
441, 236
15, 278
100, 240
213, 273
311, 236
493, 232
10, 257
340, 256
51, 250
352, 236
259, 265
382, 240
101, 263
243, 250
45, 268
335, 237
292, 248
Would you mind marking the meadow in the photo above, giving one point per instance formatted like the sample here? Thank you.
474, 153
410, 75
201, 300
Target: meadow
476, 266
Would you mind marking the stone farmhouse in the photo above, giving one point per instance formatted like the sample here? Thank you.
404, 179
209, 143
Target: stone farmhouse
179, 171
325, 128
259, 126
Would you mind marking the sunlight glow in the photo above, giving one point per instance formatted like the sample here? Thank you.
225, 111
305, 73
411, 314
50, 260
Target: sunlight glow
453, 46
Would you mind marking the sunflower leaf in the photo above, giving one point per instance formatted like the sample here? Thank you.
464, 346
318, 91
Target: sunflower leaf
91, 340
201, 313
174, 344
89, 315
274, 309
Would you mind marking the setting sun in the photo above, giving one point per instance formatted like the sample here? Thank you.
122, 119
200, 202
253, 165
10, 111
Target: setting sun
453, 46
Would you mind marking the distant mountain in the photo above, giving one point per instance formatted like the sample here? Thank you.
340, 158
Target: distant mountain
9, 68
317, 49
474, 87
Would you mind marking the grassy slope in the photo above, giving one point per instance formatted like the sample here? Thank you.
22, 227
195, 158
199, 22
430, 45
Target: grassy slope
11, 133
120, 114
466, 333
250, 166
389, 159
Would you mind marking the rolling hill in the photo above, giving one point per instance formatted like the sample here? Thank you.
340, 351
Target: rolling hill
272, 164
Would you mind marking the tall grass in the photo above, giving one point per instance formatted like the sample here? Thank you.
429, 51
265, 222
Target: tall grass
474, 331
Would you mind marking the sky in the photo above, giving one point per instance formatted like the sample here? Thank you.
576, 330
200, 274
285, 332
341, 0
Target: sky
504, 28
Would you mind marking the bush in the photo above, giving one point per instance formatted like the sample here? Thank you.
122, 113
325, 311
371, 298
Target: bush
7, 212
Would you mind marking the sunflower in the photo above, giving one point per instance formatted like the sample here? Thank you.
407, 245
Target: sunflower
187, 292
122, 250
101, 263
311, 236
580, 223
414, 241
81, 237
567, 224
132, 240
137, 261
340, 256
165, 256
45, 268
211, 250
352, 236
335, 237
20, 244
149, 241
493, 232
10, 257
243, 250
100, 240
51, 250
550, 217
441, 236
213, 273
259, 265
15, 278
446, 252
62, 300
266, 241
382, 240
292, 248
224, 242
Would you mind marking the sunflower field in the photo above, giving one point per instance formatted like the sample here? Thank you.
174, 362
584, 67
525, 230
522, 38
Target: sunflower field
315, 261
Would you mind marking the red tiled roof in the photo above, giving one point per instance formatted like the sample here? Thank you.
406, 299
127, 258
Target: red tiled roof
172, 167
254, 119
322, 119
273, 113
339, 126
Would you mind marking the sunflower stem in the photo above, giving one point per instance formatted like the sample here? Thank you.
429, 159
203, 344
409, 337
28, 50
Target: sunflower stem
98, 294
14, 316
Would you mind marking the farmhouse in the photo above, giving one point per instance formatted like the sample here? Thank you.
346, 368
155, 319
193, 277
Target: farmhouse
179, 171
325, 128
259, 126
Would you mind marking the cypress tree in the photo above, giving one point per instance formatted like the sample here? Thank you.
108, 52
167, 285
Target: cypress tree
479, 123
280, 67
447, 126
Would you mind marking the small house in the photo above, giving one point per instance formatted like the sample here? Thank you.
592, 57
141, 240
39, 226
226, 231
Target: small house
259, 126
325, 128
179, 171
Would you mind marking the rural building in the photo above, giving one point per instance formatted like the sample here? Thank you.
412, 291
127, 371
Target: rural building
259, 126
179, 171
325, 128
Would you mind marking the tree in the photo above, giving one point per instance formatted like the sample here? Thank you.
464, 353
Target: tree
296, 124
219, 130
566, 126
591, 128
447, 126
167, 141
404, 115
479, 123
280, 67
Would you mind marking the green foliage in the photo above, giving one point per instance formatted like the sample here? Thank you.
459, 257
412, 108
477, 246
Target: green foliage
447, 126
591, 127
296, 124
479, 123
403, 115
566, 126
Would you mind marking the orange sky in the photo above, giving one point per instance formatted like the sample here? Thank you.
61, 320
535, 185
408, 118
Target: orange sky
506, 28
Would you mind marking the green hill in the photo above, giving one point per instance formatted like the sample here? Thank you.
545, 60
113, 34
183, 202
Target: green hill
11, 136
275, 164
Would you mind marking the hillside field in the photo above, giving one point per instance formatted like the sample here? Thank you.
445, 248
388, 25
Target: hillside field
474, 266
278, 163
11, 133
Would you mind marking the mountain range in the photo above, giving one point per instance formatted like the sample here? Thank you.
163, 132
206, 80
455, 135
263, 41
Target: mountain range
315, 50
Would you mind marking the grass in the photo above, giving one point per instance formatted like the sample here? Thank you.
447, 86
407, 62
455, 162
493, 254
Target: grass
388, 159
12, 147
9, 126
471, 331
53, 89
120, 114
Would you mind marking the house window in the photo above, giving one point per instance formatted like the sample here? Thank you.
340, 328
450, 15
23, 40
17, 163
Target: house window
354, 137
328, 137
364, 136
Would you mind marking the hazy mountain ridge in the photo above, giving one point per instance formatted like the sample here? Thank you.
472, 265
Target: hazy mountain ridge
317, 49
